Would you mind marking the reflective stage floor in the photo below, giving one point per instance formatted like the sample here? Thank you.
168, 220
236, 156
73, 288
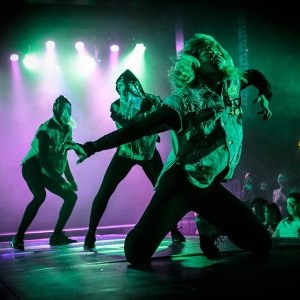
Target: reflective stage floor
181, 271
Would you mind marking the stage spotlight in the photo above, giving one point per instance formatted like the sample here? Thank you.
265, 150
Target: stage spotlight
50, 45
79, 46
140, 47
31, 61
114, 48
135, 60
14, 57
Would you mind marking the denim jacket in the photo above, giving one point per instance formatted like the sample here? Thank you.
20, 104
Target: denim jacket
55, 160
209, 141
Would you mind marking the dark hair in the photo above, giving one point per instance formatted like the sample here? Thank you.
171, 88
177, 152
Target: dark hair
275, 208
259, 201
294, 195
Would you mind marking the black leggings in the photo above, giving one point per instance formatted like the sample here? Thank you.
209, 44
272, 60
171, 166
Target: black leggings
117, 170
174, 198
38, 183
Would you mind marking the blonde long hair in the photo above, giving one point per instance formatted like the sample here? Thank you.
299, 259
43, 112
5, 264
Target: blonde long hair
186, 70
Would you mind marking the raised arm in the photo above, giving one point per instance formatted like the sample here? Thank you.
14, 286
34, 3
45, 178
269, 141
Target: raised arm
163, 119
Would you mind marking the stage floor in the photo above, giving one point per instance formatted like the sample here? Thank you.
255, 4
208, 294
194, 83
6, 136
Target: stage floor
69, 272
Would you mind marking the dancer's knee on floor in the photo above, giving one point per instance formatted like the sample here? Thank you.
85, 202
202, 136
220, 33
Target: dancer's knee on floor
136, 251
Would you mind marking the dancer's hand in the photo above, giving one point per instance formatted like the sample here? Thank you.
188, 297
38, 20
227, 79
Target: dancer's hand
81, 154
88, 149
74, 186
80, 151
66, 185
264, 103
81, 159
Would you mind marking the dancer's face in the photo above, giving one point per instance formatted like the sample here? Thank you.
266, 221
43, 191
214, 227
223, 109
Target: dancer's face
66, 114
212, 59
121, 86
